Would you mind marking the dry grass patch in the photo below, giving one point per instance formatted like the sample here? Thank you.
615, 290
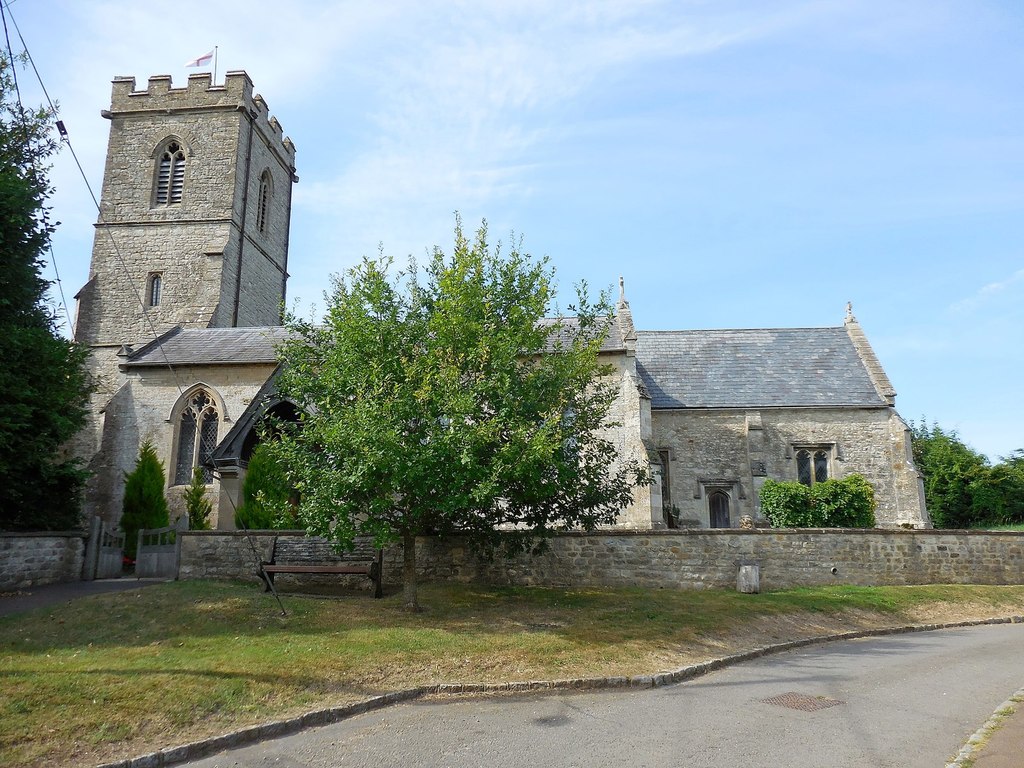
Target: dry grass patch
125, 673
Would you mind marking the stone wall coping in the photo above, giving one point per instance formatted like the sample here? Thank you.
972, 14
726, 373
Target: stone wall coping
690, 532
43, 534
240, 534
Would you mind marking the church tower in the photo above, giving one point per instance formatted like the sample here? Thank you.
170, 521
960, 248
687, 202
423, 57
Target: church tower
192, 238
194, 213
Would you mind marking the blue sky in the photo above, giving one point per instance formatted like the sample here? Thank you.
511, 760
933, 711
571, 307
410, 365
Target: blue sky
741, 164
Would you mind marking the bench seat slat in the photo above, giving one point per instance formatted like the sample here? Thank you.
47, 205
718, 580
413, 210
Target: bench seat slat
314, 555
315, 569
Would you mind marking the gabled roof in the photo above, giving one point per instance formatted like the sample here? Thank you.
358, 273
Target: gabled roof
211, 346
771, 367
613, 341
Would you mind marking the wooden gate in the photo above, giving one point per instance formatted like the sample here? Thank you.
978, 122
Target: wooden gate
158, 551
111, 557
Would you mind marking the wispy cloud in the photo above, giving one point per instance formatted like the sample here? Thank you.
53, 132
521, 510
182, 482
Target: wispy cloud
987, 293
465, 97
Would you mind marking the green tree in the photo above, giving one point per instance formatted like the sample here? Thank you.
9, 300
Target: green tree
197, 506
438, 402
952, 473
267, 496
997, 495
43, 384
145, 505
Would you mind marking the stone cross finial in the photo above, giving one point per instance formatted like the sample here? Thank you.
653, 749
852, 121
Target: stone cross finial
622, 290
849, 310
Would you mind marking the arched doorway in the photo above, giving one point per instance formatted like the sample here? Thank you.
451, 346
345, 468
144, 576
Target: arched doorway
718, 508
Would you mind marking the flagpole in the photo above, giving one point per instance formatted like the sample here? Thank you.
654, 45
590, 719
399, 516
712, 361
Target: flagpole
215, 65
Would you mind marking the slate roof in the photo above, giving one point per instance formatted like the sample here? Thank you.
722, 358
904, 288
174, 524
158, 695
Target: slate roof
239, 346
772, 367
613, 342
211, 346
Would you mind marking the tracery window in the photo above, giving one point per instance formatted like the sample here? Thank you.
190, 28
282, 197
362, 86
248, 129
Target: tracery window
263, 202
811, 466
197, 437
170, 175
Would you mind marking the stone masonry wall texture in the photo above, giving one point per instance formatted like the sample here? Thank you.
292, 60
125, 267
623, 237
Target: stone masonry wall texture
31, 559
712, 445
680, 559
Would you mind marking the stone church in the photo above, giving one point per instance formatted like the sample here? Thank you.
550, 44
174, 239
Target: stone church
182, 313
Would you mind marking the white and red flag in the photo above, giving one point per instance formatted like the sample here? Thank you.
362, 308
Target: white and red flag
202, 61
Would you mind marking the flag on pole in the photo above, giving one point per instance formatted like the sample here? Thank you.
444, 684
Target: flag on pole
202, 61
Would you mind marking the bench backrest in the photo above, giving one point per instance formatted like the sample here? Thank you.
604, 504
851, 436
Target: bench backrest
312, 550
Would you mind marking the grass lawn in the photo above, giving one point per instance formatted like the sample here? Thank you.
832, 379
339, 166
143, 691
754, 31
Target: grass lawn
125, 673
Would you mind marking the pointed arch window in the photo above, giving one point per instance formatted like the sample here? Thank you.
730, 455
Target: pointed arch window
197, 437
263, 202
170, 175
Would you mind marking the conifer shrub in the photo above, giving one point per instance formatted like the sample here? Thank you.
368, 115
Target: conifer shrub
144, 503
266, 495
846, 503
197, 505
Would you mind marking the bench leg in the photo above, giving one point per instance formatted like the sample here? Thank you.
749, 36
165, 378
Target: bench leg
268, 580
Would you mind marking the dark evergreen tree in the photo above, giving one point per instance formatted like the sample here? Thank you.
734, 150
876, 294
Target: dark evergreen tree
145, 505
267, 497
197, 505
43, 383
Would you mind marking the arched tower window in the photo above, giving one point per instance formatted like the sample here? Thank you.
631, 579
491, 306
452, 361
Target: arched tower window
197, 436
154, 290
170, 174
263, 202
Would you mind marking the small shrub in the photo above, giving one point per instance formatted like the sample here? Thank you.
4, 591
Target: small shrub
144, 503
196, 504
266, 495
846, 503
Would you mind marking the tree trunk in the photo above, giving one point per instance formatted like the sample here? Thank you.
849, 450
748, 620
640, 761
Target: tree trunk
409, 601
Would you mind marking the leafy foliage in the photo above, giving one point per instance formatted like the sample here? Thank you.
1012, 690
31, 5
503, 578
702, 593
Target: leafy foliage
144, 503
846, 503
197, 506
43, 385
438, 402
962, 490
267, 496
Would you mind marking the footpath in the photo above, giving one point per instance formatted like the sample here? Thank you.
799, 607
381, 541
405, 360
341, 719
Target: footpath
58, 594
999, 743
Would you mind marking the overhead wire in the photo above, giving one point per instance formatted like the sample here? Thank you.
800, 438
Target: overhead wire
5, 10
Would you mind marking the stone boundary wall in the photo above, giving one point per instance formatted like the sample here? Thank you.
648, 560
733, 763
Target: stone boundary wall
34, 559
676, 559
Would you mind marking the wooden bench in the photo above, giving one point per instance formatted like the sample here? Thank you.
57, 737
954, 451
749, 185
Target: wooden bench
309, 554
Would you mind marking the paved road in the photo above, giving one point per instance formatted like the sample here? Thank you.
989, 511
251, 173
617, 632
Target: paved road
908, 701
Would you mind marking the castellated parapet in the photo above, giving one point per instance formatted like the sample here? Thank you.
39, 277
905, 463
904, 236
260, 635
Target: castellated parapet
200, 93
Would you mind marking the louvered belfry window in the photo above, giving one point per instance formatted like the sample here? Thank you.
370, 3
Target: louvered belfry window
263, 203
170, 179
197, 437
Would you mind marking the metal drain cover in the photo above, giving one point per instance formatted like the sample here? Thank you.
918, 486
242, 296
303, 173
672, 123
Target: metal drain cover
802, 701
